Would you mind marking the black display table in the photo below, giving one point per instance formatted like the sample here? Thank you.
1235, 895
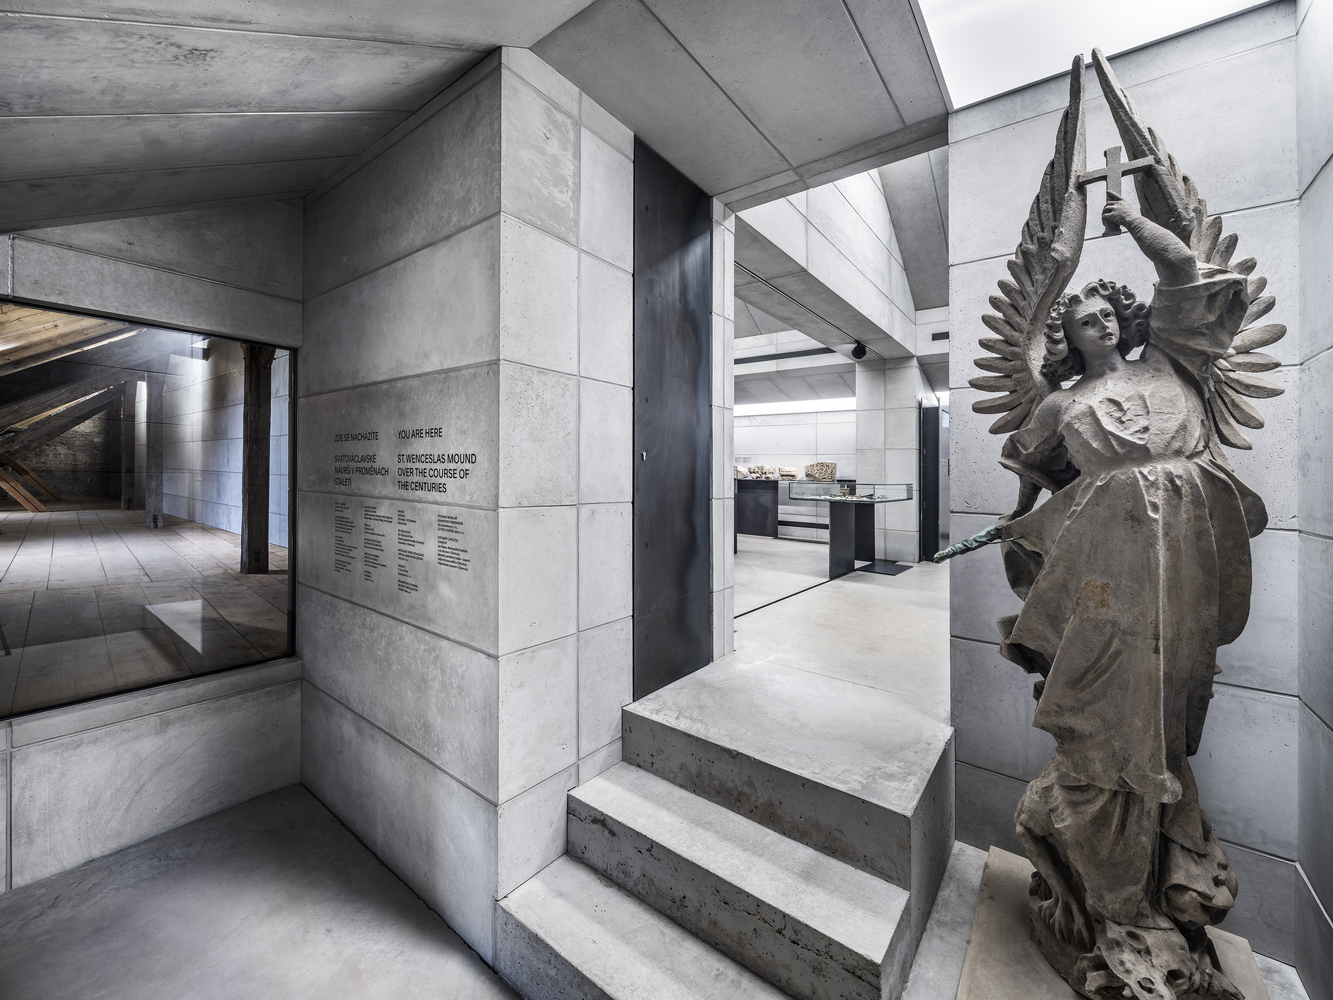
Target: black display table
851, 516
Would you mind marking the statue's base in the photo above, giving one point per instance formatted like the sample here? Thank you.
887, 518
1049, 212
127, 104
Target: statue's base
1004, 963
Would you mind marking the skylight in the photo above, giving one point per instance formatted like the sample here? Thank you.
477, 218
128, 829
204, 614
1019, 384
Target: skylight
988, 47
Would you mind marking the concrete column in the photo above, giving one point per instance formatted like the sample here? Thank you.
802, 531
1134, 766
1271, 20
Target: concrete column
888, 400
255, 431
128, 392
465, 484
152, 507
724, 398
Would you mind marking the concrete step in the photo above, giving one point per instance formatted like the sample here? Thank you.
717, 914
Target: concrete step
569, 932
813, 926
837, 766
204, 639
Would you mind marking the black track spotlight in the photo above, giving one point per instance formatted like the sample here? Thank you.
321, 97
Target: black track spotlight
859, 351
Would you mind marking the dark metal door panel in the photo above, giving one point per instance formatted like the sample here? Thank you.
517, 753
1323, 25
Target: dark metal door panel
672, 423
757, 507
929, 536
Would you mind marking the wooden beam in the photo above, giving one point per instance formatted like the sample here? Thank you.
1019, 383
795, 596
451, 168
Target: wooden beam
56, 424
23, 470
116, 331
59, 331
15, 489
25, 409
255, 431
129, 392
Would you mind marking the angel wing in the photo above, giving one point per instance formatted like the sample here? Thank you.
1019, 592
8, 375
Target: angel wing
1168, 197
1046, 258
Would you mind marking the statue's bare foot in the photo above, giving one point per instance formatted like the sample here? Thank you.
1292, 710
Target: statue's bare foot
1068, 920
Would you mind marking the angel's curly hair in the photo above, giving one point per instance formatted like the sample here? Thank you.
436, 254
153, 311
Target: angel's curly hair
1063, 361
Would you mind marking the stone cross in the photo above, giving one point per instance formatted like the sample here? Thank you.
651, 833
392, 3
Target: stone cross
1111, 173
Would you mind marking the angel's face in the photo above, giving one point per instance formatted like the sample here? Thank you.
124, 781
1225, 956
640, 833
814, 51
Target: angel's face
1091, 327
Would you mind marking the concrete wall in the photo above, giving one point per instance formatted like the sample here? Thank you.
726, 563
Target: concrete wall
1314, 144
830, 265
232, 271
203, 406
1223, 100
797, 439
889, 397
474, 277
86, 780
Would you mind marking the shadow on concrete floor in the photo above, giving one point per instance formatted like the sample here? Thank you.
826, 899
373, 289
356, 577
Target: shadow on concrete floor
270, 899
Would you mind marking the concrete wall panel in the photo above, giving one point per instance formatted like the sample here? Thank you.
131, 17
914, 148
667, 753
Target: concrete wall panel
984, 807
992, 713
1234, 168
1246, 769
434, 833
432, 310
1316, 797
1314, 943
539, 721
436, 181
84, 794
540, 182
74, 279
1265, 910
250, 246
438, 697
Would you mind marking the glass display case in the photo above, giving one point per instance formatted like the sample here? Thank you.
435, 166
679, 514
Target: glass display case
850, 492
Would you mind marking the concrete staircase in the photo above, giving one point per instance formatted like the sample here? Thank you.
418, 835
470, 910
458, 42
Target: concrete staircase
770, 833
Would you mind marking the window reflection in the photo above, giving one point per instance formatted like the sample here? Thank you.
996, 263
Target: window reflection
143, 506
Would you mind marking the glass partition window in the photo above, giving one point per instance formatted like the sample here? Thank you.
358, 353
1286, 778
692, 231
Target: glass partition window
864, 492
143, 506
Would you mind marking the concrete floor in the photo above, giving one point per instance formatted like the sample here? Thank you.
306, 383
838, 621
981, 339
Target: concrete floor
270, 900
73, 586
886, 632
769, 569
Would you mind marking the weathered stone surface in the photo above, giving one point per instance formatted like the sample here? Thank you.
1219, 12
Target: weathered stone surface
1003, 961
822, 472
1138, 567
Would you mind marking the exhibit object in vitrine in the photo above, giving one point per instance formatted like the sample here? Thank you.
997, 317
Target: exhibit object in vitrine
821, 472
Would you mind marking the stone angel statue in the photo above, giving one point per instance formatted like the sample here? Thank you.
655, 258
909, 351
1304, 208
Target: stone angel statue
1137, 567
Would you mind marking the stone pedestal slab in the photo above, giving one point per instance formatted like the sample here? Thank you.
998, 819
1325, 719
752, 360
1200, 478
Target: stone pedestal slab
1004, 962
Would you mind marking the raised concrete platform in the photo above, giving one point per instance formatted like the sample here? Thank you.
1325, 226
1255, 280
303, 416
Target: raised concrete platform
270, 899
811, 925
569, 932
837, 766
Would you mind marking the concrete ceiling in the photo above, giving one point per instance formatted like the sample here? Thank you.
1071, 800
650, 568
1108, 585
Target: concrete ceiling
917, 191
129, 107
751, 321
798, 384
753, 99
154, 105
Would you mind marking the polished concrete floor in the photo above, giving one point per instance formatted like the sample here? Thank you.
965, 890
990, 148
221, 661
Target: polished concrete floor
270, 900
886, 632
73, 587
769, 569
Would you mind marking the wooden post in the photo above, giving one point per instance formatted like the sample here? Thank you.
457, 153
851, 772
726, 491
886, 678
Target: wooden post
17, 490
152, 480
255, 457
128, 394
